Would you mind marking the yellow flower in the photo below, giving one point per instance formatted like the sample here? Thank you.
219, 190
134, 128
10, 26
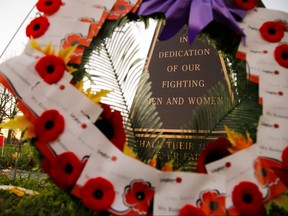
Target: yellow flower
168, 166
238, 141
15, 155
64, 54
129, 151
153, 162
48, 50
93, 96
17, 191
21, 123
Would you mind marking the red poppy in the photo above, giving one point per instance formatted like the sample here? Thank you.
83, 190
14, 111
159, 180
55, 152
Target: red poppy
268, 172
98, 194
190, 210
49, 126
111, 125
281, 55
138, 195
264, 174
284, 158
213, 151
48, 7
245, 4
50, 68
66, 170
212, 203
72, 40
233, 211
37, 27
272, 31
282, 174
120, 9
248, 199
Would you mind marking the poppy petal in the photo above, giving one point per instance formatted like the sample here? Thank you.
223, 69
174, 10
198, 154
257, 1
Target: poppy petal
50, 68
281, 55
272, 31
212, 203
111, 125
98, 194
138, 195
213, 151
190, 210
245, 4
248, 199
284, 158
37, 27
48, 7
66, 170
49, 126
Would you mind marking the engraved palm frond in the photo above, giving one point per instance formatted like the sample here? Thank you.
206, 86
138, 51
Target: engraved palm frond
239, 113
115, 64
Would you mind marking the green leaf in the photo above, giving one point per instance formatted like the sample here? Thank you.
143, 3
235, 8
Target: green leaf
239, 113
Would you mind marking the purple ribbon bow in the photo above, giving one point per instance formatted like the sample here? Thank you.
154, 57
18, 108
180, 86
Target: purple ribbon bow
196, 13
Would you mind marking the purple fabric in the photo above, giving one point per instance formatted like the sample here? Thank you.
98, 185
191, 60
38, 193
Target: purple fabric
176, 17
237, 13
222, 15
200, 16
196, 13
154, 6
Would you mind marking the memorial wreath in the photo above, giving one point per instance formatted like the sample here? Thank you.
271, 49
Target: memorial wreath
83, 92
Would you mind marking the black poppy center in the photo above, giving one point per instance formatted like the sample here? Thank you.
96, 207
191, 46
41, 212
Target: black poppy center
105, 127
245, 1
247, 198
68, 168
263, 172
50, 69
98, 194
213, 205
48, 3
49, 125
271, 31
36, 27
140, 195
73, 43
284, 55
121, 7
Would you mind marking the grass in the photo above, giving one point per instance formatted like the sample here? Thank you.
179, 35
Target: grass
27, 160
50, 200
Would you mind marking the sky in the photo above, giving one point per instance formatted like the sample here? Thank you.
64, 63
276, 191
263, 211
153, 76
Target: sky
276, 4
13, 14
